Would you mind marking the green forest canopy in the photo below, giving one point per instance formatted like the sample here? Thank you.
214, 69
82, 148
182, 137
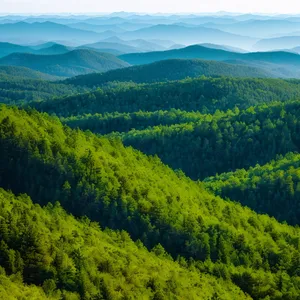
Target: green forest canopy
205, 95
74, 259
124, 189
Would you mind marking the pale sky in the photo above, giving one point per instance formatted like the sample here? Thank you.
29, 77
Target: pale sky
149, 6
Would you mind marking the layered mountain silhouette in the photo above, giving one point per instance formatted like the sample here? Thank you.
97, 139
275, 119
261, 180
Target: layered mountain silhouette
190, 35
69, 64
279, 63
172, 69
283, 42
23, 32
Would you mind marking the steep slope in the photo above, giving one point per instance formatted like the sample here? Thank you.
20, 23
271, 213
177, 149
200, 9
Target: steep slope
12, 288
201, 94
173, 69
121, 188
73, 259
69, 64
273, 188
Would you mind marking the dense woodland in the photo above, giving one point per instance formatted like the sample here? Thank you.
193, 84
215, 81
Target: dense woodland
167, 169
18, 90
123, 122
273, 188
74, 259
202, 94
125, 185
242, 138
166, 70
124, 189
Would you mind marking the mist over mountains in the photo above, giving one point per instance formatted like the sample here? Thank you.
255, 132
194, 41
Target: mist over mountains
241, 31
141, 39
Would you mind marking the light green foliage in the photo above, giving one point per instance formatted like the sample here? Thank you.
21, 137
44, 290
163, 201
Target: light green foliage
12, 288
73, 259
123, 122
223, 142
124, 189
273, 188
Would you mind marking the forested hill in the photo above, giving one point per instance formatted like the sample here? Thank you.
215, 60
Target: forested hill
19, 89
273, 188
241, 138
202, 94
124, 189
69, 64
124, 122
25, 73
135, 167
173, 69
70, 259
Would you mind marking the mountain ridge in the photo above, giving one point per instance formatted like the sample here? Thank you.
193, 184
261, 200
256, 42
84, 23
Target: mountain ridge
75, 62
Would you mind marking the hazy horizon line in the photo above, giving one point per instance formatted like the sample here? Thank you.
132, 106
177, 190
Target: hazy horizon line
220, 13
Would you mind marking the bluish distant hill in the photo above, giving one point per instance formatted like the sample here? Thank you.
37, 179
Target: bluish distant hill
69, 64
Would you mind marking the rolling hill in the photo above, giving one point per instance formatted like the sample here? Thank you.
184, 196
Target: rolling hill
237, 137
194, 51
86, 265
273, 188
208, 53
205, 95
25, 73
53, 50
167, 70
8, 48
124, 189
278, 63
172, 177
69, 64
